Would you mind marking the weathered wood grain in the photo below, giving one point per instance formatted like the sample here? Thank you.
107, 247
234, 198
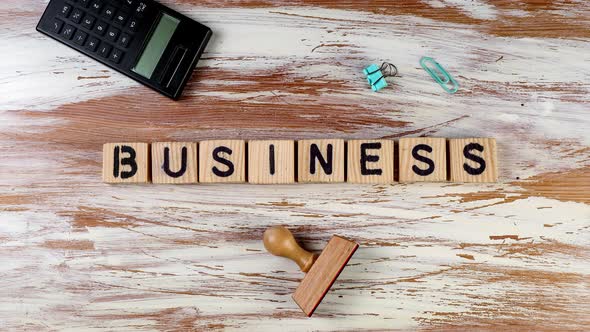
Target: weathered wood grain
79, 254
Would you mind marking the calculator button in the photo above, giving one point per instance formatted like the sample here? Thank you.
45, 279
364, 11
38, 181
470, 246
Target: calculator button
92, 43
116, 56
57, 25
128, 3
68, 31
133, 23
96, 5
121, 18
84, 3
101, 28
88, 22
80, 37
112, 34
140, 9
104, 50
109, 12
124, 40
65, 10
76, 16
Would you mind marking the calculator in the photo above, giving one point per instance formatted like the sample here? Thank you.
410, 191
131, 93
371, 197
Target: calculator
144, 40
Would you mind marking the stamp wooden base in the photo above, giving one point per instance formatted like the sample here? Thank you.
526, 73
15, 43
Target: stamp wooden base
321, 271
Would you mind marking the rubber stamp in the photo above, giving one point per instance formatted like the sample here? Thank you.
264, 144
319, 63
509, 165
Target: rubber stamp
321, 270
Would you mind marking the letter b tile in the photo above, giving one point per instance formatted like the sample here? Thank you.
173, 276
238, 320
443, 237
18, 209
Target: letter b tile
125, 163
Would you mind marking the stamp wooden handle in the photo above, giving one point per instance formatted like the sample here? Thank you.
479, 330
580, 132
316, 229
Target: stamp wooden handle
279, 241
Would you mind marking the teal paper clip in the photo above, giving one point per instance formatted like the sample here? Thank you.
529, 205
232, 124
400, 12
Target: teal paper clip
439, 74
376, 75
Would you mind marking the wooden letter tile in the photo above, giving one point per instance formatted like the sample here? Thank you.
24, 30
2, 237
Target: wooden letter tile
370, 161
271, 162
174, 162
422, 159
222, 161
125, 163
321, 161
473, 160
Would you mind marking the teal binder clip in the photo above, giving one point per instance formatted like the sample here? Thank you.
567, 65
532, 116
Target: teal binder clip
376, 75
439, 74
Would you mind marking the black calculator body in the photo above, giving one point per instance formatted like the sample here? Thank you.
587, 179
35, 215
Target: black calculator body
144, 40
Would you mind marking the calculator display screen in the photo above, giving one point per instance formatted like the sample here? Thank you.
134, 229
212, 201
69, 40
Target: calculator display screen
156, 46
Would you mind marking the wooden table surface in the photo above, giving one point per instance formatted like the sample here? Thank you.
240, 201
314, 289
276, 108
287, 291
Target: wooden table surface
78, 254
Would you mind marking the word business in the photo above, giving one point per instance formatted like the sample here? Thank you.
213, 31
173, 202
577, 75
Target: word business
416, 159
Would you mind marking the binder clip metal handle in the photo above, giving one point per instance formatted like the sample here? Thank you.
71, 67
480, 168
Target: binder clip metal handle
439, 74
376, 75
